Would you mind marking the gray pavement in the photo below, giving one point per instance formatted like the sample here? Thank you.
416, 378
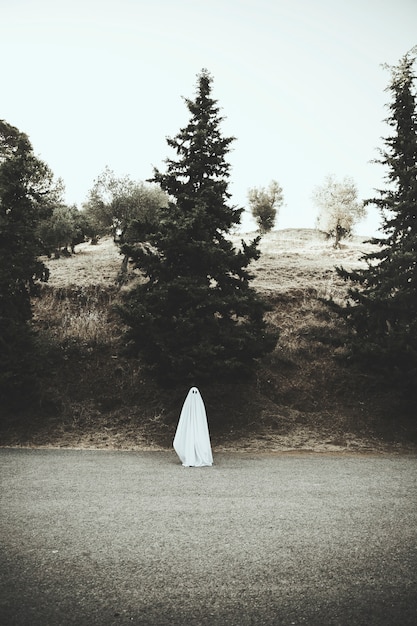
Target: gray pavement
104, 538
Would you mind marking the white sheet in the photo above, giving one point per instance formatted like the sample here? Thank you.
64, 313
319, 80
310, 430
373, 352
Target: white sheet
192, 439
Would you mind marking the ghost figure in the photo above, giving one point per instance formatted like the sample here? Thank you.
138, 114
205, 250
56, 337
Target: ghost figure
192, 439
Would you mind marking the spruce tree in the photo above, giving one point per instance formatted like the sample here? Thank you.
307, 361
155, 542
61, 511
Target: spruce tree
195, 315
382, 299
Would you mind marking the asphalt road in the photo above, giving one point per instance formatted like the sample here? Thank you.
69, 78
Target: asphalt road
104, 538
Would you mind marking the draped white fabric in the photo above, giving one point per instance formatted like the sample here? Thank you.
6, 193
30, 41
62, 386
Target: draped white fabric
192, 439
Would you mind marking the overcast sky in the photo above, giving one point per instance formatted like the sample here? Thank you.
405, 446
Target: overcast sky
98, 83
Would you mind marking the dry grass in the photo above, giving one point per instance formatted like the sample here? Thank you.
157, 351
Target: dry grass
96, 265
78, 314
303, 397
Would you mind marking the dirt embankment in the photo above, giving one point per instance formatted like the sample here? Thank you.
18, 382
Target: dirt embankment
305, 395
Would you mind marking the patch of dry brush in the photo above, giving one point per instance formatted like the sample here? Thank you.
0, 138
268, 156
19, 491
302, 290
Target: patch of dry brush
303, 397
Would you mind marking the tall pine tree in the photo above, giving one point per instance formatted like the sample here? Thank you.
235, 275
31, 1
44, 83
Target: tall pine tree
382, 304
196, 316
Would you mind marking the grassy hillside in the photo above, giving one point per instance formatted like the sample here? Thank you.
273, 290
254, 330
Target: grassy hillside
304, 396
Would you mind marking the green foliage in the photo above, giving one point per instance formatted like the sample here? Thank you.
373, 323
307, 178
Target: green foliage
27, 192
65, 228
339, 208
382, 304
114, 204
195, 316
264, 204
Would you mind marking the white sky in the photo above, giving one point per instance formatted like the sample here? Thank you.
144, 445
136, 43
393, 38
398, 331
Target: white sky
100, 82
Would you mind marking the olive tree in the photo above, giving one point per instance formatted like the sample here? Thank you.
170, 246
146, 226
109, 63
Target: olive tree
338, 208
64, 229
115, 203
264, 204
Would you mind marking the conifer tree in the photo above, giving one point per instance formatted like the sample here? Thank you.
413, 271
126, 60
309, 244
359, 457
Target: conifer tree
382, 305
196, 316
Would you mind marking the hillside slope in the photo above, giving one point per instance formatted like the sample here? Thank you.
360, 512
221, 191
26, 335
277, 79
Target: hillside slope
305, 394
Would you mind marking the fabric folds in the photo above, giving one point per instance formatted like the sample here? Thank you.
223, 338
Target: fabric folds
192, 438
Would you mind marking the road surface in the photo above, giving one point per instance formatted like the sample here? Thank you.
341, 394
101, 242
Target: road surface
100, 538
